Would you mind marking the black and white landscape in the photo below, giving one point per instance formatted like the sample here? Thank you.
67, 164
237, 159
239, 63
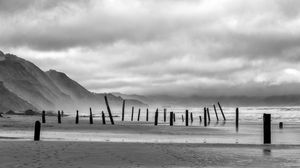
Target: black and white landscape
149, 83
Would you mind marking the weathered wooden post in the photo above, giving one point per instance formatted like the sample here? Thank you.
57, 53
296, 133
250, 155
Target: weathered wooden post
237, 120
132, 111
200, 119
91, 116
192, 119
138, 119
147, 114
174, 117
186, 118
205, 118
58, 117
37, 130
171, 118
208, 115
221, 111
182, 118
267, 128
165, 115
280, 125
77, 118
216, 113
62, 113
123, 110
156, 117
43, 117
109, 112
103, 118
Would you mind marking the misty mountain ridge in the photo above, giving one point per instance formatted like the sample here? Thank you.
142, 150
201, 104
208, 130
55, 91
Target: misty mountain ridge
26, 86
200, 101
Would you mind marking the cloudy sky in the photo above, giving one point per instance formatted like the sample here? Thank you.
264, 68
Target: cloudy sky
177, 47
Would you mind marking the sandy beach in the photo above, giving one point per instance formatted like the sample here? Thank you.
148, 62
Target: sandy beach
16, 154
141, 144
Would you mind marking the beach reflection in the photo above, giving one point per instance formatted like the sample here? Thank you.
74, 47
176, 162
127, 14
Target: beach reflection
267, 152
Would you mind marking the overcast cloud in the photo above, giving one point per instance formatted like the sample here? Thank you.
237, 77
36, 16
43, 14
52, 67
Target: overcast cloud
178, 47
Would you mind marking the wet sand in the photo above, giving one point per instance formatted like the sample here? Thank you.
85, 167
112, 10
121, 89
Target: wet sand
141, 144
65, 154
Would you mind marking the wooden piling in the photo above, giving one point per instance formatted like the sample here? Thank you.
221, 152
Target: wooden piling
216, 113
37, 130
103, 118
182, 118
267, 128
77, 118
109, 112
43, 117
123, 110
171, 118
156, 117
186, 118
174, 117
58, 117
132, 111
205, 118
221, 111
200, 119
91, 116
165, 115
138, 119
62, 113
192, 119
147, 114
237, 119
280, 125
208, 115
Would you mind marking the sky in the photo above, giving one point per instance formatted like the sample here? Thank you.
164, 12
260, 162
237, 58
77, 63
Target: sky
153, 47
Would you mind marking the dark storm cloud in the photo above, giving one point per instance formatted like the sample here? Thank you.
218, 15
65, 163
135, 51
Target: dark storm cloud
160, 46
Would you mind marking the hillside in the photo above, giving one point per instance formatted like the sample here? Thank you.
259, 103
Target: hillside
11, 101
49, 90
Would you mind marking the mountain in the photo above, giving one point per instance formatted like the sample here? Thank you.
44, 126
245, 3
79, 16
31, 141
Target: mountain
49, 90
83, 97
69, 86
11, 101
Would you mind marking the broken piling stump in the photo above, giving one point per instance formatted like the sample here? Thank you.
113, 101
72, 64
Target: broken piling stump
267, 128
123, 110
156, 117
186, 118
216, 113
174, 117
221, 111
103, 118
280, 125
43, 117
205, 118
91, 116
37, 130
77, 118
109, 112
237, 119
139, 113
58, 117
208, 115
147, 114
165, 115
132, 111
171, 118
